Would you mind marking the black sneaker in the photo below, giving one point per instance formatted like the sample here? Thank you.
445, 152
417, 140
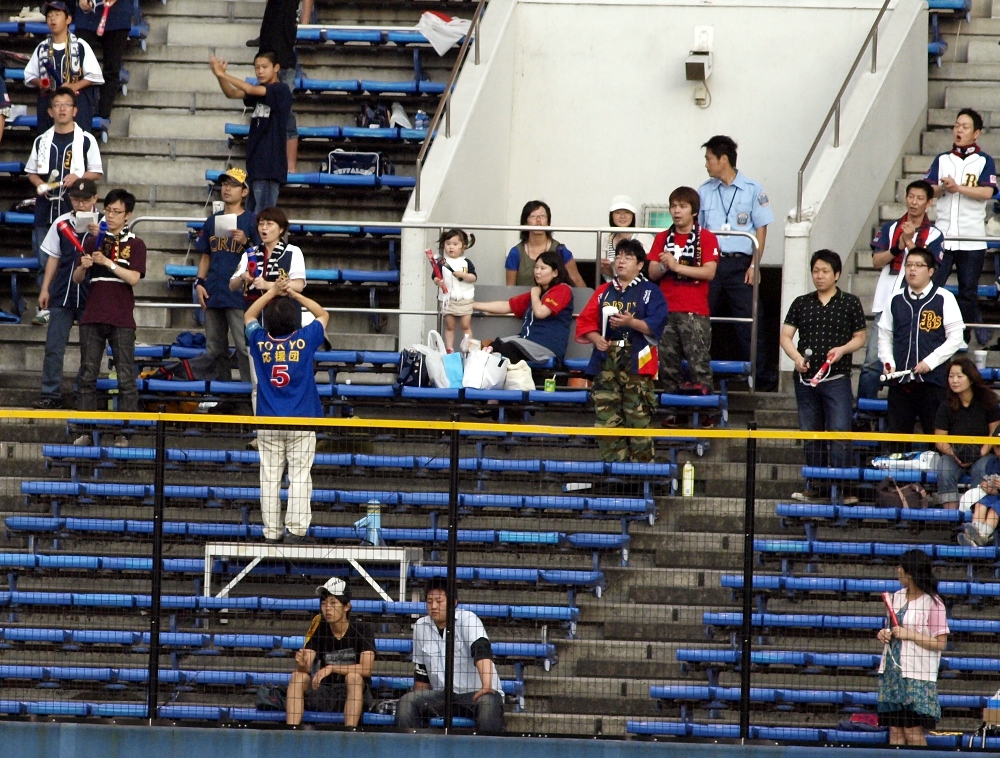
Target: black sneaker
295, 539
255, 42
48, 404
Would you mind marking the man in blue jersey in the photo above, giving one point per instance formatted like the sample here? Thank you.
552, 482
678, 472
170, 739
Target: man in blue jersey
286, 388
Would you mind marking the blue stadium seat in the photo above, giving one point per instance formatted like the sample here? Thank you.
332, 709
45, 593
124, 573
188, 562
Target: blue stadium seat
659, 728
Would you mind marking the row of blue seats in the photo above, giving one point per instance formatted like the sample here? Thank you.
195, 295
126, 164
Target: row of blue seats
856, 513
364, 460
275, 605
31, 122
353, 231
888, 550
174, 712
559, 577
788, 734
705, 693
320, 179
615, 506
41, 29
867, 661
773, 583
579, 540
368, 35
205, 677
386, 133
367, 86
185, 275
816, 622
204, 643
871, 475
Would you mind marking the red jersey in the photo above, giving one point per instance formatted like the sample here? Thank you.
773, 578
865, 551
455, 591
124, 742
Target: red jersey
685, 295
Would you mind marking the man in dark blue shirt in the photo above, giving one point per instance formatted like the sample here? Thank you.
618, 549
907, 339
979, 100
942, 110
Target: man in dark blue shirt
220, 256
105, 23
271, 101
63, 298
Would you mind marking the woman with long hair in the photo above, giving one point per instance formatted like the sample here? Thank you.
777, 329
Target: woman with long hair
970, 409
520, 263
546, 313
907, 692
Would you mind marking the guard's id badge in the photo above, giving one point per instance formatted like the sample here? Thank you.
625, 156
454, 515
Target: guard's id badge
726, 227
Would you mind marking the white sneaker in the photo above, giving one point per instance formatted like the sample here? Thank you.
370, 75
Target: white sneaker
804, 496
121, 441
84, 440
41, 318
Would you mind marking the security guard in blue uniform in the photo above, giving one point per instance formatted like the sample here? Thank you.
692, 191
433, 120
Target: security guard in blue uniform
732, 202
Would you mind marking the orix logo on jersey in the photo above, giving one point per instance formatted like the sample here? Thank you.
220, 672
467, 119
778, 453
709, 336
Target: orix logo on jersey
930, 321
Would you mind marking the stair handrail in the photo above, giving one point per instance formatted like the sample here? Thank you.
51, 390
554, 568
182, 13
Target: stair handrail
834, 112
444, 104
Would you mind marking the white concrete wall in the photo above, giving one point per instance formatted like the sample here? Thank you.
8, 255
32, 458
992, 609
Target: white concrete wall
879, 116
575, 102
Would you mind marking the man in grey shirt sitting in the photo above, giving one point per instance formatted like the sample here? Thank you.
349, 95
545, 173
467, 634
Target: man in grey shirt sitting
477, 692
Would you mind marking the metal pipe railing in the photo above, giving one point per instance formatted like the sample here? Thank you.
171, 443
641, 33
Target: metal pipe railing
439, 227
444, 104
834, 112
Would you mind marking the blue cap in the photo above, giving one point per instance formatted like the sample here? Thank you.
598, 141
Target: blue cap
55, 5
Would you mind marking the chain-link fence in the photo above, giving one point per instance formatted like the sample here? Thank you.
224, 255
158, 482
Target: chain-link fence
593, 597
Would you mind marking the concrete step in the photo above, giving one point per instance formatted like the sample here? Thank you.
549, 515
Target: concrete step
917, 164
983, 52
217, 9
983, 97
186, 172
177, 78
158, 145
977, 27
934, 143
181, 32
966, 72
200, 127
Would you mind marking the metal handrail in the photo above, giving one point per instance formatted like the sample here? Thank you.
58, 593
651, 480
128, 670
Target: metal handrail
597, 230
834, 111
444, 104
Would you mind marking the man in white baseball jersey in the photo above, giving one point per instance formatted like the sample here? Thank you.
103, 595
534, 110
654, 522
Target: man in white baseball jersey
964, 180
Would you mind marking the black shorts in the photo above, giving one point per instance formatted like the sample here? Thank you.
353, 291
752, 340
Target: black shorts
906, 719
330, 697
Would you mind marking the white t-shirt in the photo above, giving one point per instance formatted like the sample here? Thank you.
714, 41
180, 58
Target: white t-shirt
429, 648
457, 288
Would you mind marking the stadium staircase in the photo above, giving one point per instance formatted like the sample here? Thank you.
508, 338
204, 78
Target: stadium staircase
966, 77
170, 129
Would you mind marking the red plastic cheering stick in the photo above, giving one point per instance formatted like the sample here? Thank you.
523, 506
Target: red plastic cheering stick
104, 17
67, 231
823, 372
437, 268
893, 619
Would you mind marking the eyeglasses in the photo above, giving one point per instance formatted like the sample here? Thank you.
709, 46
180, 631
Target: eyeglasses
916, 265
114, 211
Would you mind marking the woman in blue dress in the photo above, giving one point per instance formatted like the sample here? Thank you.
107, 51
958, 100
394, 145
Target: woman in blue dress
907, 693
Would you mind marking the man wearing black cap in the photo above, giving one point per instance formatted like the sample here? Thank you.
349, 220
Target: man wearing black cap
63, 298
346, 655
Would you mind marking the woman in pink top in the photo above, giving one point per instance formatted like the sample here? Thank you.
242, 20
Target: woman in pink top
907, 693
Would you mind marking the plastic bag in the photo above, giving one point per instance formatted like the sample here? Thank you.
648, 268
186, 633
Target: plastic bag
485, 371
454, 368
434, 352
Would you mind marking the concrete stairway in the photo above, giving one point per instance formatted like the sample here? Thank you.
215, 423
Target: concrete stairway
968, 77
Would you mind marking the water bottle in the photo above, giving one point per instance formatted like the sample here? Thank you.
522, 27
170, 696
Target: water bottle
421, 120
687, 480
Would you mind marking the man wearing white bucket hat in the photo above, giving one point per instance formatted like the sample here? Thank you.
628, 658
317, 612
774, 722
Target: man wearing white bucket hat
623, 212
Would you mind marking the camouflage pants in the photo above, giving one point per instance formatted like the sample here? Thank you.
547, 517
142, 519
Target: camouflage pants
686, 336
623, 399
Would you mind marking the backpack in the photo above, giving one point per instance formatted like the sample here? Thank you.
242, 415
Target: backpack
199, 368
373, 118
888, 494
341, 161
410, 369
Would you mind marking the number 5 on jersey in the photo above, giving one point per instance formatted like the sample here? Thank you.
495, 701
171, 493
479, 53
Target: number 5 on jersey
279, 374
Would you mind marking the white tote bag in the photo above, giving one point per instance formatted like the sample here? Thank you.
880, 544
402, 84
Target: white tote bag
484, 371
434, 352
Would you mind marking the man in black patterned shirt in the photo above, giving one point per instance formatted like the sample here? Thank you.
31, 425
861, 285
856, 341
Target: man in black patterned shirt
831, 326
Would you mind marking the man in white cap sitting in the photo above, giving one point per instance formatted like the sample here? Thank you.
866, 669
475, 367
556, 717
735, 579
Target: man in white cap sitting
345, 654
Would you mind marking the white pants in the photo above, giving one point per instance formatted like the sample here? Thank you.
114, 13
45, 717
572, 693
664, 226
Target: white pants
298, 448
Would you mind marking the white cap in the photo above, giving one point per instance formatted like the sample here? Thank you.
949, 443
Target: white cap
622, 203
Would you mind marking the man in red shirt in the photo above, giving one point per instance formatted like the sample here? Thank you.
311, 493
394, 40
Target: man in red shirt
683, 260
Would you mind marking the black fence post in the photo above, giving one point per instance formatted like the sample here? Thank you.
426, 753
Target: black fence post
747, 626
449, 643
153, 692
